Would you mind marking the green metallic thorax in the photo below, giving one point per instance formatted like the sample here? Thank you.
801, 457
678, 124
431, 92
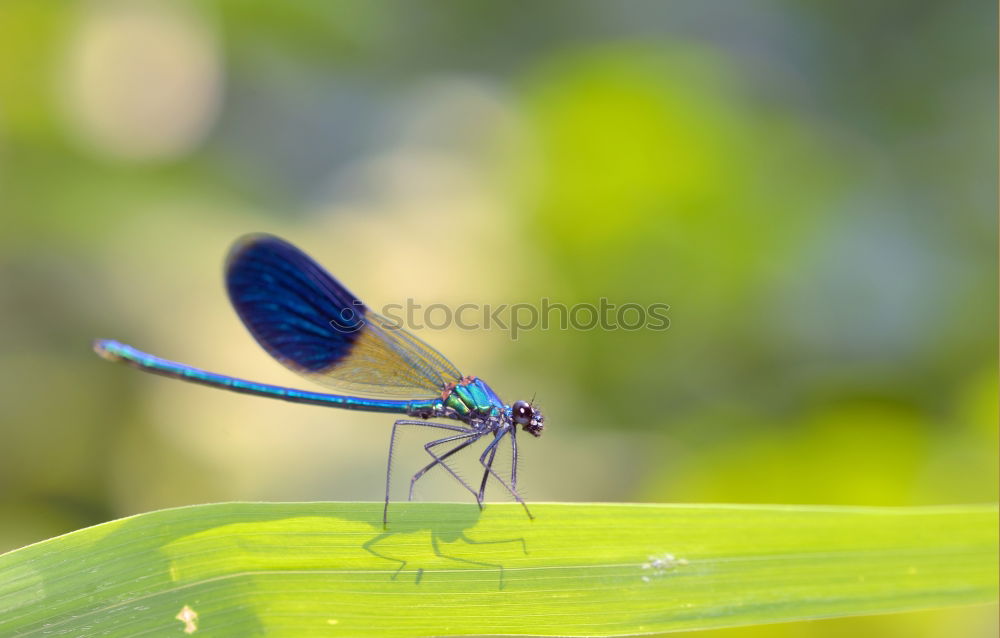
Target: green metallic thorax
473, 397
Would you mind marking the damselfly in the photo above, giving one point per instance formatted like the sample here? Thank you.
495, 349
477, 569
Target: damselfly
314, 326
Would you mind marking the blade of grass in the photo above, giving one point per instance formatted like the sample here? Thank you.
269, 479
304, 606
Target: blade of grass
286, 569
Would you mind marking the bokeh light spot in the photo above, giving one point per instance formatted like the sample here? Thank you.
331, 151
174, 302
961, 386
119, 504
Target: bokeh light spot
141, 80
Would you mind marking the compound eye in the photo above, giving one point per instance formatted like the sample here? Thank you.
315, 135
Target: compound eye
522, 412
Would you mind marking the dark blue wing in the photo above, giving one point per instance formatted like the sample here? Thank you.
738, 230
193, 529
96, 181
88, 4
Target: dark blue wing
314, 326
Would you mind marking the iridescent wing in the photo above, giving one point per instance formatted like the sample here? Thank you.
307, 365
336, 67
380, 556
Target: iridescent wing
314, 326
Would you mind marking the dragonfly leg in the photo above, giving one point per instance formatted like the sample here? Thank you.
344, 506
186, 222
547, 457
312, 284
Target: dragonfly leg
486, 475
513, 462
439, 460
488, 464
392, 443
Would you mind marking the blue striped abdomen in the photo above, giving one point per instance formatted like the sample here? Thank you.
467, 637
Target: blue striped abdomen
115, 351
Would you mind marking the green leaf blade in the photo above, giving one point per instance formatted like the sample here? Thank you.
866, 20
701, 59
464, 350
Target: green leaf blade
445, 569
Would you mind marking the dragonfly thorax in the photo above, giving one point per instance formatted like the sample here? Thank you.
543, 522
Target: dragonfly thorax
471, 399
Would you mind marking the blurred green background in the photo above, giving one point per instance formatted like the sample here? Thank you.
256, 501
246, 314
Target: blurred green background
812, 187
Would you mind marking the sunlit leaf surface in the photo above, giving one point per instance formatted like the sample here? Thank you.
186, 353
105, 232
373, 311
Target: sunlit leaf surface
318, 569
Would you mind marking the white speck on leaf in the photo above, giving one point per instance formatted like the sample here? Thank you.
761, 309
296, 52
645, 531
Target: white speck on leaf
660, 565
189, 617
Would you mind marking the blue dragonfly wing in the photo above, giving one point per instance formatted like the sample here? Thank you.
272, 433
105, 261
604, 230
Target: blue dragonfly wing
314, 326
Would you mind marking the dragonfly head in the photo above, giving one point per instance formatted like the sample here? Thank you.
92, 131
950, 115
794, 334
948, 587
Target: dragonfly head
528, 417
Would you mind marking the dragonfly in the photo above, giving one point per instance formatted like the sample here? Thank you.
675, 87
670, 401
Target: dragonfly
307, 320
